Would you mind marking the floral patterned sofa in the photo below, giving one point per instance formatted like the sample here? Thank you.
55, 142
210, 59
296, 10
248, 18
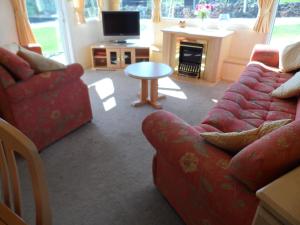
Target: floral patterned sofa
208, 186
47, 105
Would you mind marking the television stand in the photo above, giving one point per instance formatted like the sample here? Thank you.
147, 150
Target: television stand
112, 55
119, 41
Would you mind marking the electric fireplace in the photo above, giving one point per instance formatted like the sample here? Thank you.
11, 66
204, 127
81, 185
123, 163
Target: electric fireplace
191, 59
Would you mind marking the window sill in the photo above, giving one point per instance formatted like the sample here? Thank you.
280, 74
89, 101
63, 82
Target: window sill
92, 19
243, 23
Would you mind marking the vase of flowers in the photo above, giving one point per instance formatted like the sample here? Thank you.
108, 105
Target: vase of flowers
203, 11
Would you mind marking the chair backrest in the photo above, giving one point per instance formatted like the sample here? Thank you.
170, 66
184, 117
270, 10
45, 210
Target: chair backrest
12, 141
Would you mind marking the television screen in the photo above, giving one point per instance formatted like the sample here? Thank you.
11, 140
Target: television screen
121, 23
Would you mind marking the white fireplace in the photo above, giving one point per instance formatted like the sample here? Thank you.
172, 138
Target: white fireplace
217, 44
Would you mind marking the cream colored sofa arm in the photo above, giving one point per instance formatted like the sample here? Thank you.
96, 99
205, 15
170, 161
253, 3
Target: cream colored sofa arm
280, 199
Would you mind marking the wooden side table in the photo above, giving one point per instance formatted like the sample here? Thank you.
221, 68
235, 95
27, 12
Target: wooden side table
280, 201
146, 71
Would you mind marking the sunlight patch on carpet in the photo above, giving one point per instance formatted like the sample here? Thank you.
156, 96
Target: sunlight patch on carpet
167, 83
214, 100
173, 93
169, 87
105, 89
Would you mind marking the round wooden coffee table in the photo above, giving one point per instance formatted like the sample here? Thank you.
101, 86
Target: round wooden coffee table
148, 71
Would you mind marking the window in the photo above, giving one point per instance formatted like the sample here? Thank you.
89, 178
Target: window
287, 23
91, 8
143, 6
186, 8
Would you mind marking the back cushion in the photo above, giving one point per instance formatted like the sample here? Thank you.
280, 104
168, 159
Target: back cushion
290, 57
18, 67
6, 79
38, 62
12, 47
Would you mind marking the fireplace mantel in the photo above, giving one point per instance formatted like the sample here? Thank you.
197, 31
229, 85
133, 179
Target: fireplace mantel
218, 43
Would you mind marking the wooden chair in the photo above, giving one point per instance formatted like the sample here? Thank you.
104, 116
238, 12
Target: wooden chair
12, 141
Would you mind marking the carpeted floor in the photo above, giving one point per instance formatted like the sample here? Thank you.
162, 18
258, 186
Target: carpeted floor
101, 173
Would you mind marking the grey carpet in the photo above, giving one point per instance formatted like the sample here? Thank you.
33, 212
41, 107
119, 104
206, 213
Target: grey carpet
101, 173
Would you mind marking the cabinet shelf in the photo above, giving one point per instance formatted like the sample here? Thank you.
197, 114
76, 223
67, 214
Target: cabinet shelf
100, 57
116, 56
142, 57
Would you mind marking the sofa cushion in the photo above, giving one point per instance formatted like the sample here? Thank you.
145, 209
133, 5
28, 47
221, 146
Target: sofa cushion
12, 47
268, 158
248, 103
233, 142
38, 62
19, 68
6, 79
288, 89
290, 58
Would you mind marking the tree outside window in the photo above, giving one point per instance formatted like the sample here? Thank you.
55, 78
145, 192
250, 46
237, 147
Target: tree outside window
143, 6
91, 9
186, 8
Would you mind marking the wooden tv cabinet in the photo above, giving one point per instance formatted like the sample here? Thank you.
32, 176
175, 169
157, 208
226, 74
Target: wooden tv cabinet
108, 55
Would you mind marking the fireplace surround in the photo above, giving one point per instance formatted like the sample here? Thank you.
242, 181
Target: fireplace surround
216, 49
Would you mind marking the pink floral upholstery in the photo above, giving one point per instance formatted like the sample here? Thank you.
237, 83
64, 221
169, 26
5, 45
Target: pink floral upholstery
47, 106
266, 54
6, 79
269, 157
43, 82
18, 67
248, 103
194, 175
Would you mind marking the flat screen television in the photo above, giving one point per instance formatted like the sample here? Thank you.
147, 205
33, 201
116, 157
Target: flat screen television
119, 26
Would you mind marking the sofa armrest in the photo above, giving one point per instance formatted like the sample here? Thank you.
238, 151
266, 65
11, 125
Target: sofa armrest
266, 54
281, 197
269, 157
34, 48
175, 139
44, 82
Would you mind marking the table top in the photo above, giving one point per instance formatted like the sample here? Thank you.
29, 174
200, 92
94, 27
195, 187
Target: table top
148, 70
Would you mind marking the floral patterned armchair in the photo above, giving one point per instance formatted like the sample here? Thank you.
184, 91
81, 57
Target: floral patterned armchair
47, 105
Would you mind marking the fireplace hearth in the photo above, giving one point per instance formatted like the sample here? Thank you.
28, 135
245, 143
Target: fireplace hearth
191, 59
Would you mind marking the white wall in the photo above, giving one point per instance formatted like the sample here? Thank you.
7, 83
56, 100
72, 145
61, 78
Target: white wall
83, 36
8, 33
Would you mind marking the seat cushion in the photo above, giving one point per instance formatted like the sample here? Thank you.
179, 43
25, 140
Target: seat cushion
18, 67
248, 103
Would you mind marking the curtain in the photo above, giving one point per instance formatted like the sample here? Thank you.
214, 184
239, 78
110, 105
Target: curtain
114, 5
100, 6
79, 11
156, 11
24, 31
263, 20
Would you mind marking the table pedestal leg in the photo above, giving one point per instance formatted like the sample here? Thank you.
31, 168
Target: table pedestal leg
154, 94
143, 95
